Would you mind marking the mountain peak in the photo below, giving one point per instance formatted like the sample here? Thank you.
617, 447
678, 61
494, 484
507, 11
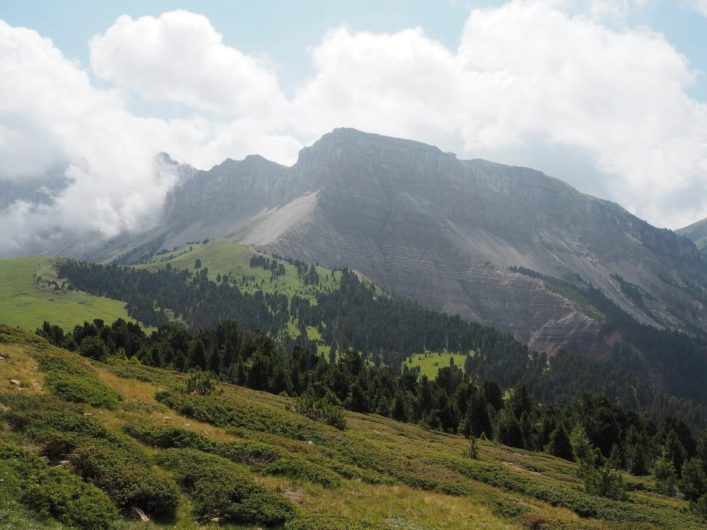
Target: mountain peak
350, 138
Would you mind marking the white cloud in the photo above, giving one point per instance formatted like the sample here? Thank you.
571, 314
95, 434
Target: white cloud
546, 83
179, 57
530, 83
53, 120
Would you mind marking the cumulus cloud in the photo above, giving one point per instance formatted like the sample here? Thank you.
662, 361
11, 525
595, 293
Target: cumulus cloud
554, 84
55, 122
531, 82
179, 57
52, 120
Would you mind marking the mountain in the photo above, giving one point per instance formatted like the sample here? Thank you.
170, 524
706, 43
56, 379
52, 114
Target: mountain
504, 246
697, 232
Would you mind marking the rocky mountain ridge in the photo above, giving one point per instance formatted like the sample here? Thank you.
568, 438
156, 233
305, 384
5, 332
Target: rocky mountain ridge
464, 237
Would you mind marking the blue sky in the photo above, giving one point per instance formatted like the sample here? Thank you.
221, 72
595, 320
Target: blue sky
284, 29
607, 95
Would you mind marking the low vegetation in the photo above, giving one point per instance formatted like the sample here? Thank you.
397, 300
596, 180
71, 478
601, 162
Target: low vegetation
239, 456
31, 291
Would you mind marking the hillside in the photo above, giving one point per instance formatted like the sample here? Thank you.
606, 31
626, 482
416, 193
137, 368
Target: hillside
448, 233
697, 232
31, 293
226, 258
147, 443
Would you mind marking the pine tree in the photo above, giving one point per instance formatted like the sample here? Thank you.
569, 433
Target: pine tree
581, 446
560, 444
665, 476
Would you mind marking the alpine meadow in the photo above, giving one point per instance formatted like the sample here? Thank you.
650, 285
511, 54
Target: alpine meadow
355, 265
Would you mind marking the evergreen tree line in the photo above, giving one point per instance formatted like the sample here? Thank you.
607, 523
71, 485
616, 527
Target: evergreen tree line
265, 263
387, 328
591, 428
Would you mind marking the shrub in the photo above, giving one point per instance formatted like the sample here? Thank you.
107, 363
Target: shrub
693, 482
224, 413
168, 437
581, 446
700, 506
301, 469
57, 493
94, 348
71, 380
326, 409
220, 489
665, 476
69, 500
36, 416
200, 383
126, 477
81, 390
605, 482
473, 449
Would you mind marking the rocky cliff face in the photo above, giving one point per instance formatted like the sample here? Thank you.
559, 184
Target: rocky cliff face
457, 236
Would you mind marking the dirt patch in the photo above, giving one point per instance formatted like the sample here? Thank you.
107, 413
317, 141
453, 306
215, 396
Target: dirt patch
518, 467
296, 496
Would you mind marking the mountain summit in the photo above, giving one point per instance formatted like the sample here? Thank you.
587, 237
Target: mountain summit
501, 245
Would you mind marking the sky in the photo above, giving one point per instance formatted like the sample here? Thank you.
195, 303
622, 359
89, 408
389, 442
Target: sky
608, 95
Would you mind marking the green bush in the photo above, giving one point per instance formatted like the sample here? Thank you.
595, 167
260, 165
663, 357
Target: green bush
94, 348
693, 482
326, 409
72, 380
263, 458
224, 413
582, 503
69, 500
36, 416
219, 488
81, 390
700, 506
605, 482
127, 478
57, 493
200, 383
665, 476
168, 437
302, 469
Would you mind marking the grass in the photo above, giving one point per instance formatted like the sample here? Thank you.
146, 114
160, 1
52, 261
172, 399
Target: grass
278, 467
32, 293
225, 258
429, 363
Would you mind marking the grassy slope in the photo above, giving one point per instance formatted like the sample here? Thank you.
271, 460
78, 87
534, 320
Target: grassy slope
399, 476
29, 297
430, 362
224, 257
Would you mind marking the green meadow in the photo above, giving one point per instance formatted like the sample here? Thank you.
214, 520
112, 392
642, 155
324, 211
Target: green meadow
31, 293
430, 363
